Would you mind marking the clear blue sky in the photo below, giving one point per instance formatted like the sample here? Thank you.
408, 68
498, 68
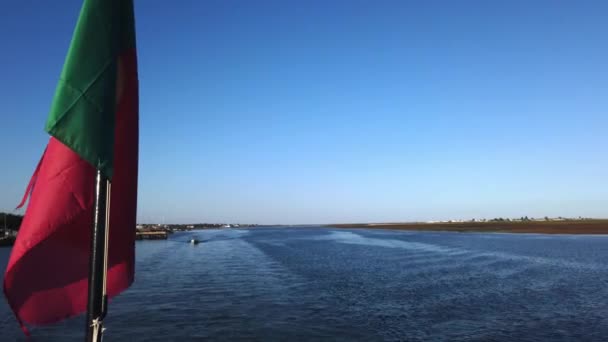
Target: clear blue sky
340, 111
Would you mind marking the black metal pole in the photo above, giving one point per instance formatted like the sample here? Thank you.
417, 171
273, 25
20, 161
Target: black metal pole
96, 305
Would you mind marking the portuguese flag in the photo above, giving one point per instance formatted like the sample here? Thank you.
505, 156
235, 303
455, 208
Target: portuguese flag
93, 125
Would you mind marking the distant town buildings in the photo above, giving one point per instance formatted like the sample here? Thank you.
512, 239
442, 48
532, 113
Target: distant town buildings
185, 227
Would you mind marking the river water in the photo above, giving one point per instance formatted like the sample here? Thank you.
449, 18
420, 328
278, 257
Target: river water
310, 284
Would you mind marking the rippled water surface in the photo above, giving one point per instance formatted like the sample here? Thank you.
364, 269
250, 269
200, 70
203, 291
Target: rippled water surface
273, 284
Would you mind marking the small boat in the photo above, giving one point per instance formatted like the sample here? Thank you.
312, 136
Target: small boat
194, 241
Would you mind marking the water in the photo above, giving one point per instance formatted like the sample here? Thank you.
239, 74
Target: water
289, 284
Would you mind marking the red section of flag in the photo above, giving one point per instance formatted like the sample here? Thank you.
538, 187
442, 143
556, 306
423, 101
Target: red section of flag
47, 275
30, 186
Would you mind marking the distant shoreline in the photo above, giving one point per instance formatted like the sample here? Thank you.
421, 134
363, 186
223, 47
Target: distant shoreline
530, 227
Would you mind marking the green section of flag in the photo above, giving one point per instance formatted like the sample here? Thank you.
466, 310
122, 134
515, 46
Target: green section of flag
83, 112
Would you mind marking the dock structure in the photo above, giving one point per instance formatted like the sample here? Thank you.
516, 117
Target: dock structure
7, 241
151, 235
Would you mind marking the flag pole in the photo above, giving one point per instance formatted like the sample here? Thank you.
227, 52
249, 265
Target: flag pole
97, 300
